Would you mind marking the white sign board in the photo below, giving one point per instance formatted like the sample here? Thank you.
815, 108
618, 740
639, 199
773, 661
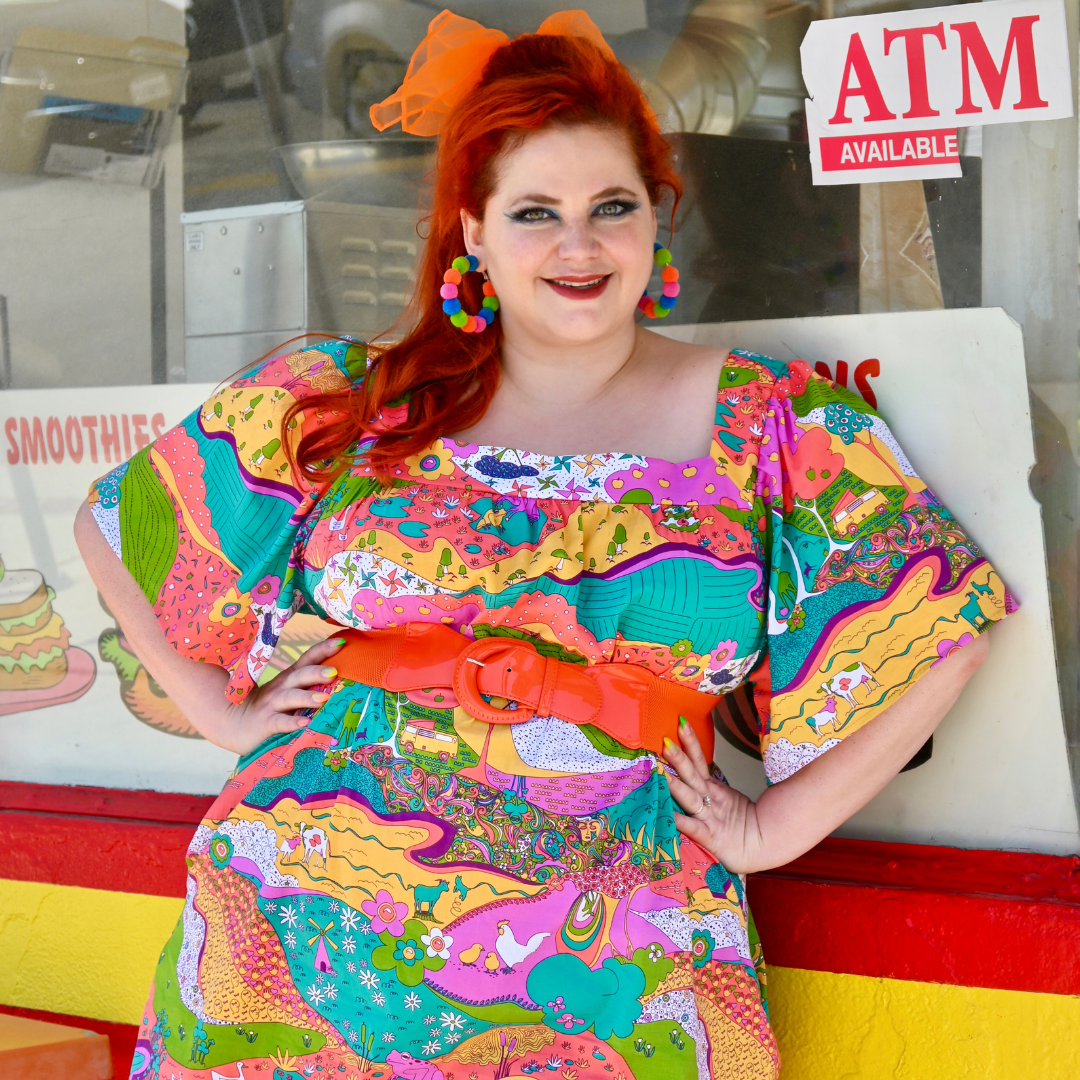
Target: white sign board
888, 92
97, 721
951, 385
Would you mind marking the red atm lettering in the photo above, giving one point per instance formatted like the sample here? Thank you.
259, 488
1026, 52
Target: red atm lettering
972, 47
867, 87
915, 47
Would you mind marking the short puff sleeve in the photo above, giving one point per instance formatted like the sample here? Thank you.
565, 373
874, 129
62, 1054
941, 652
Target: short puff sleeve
872, 581
210, 518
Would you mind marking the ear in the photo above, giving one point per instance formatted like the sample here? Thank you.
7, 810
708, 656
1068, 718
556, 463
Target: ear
474, 237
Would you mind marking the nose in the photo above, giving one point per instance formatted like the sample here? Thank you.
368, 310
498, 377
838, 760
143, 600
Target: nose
579, 241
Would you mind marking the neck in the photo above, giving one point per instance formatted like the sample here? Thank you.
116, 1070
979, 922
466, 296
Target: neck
539, 379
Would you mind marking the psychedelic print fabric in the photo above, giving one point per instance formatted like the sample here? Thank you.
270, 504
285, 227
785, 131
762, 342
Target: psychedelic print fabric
400, 890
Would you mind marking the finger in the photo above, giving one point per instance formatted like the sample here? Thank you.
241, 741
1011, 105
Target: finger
682, 763
690, 798
318, 653
288, 700
306, 676
696, 829
282, 723
692, 747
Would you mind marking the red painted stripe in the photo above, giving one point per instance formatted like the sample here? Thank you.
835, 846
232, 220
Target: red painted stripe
105, 802
1003, 874
94, 852
122, 1037
920, 935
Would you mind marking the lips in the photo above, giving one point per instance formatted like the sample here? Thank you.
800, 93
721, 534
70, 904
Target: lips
579, 288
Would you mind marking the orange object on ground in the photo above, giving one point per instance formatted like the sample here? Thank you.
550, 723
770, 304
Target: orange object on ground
35, 1050
622, 700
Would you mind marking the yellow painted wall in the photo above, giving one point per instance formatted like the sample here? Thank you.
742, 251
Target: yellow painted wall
86, 952
848, 1027
83, 952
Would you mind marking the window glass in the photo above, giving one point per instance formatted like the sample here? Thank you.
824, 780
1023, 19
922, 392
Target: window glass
186, 184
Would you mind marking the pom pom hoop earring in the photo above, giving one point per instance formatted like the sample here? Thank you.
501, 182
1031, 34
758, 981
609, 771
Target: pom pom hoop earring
660, 309
471, 324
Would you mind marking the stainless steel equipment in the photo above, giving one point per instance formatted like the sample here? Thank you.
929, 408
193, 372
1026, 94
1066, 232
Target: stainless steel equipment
255, 276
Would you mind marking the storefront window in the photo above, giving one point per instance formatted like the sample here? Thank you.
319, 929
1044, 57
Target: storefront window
186, 185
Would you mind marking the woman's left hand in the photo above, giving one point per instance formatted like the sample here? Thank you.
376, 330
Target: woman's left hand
715, 815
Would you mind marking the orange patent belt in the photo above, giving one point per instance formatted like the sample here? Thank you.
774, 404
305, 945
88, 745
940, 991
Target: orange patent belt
625, 701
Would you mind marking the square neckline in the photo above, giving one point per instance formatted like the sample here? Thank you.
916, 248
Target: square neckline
463, 452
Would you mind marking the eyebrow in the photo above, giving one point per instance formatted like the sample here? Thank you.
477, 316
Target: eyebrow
548, 200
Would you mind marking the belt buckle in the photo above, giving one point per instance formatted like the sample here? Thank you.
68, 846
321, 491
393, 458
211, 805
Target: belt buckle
476, 656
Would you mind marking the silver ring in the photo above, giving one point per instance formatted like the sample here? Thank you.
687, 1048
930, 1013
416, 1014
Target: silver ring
706, 802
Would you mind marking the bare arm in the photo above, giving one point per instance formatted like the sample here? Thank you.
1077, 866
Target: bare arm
199, 689
795, 814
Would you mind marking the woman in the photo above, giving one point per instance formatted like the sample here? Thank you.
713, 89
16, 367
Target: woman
451, 846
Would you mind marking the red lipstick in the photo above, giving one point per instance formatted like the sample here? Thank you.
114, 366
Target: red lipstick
578, 287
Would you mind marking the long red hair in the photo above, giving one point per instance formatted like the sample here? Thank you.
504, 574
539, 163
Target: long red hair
447, 377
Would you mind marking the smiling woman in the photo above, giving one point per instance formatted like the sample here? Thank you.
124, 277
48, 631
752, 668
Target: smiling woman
553, 540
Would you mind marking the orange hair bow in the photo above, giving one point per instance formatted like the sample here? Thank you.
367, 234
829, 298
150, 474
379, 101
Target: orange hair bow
448, 64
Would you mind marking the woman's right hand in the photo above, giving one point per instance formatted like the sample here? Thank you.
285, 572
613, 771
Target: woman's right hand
272, 709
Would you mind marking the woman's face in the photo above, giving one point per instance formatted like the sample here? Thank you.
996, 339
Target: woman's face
567, 236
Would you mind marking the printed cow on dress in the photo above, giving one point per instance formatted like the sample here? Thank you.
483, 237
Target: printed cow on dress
845, 683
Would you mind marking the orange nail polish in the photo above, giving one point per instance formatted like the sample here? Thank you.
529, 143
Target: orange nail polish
320, 697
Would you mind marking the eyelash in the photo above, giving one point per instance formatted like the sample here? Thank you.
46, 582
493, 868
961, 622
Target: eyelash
625, 206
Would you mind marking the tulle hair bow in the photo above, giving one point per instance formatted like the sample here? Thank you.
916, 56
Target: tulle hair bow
448, 64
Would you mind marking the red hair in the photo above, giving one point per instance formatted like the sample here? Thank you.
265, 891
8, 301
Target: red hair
449, 378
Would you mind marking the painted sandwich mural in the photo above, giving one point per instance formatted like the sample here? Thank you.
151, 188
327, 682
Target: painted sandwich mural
38, 665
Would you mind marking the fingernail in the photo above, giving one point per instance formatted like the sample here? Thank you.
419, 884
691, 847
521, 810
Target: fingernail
338, 642
320, 697
669, 745
328, 672
682, 722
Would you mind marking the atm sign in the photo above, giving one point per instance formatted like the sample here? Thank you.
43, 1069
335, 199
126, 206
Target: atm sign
883, 82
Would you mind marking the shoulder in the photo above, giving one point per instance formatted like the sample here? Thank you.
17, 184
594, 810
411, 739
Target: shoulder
251, 425
793, 381
332, 366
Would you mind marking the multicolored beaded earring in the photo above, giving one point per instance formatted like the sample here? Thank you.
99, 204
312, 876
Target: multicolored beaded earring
660, 309
471, 324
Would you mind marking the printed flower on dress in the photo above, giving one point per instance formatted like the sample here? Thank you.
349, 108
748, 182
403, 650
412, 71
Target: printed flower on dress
701, 947
220, 851
436, 461
437, 943
230, 607
405, 954
266, 589
682, 648
385, 913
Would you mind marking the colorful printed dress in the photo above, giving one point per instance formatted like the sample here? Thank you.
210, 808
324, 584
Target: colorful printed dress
402, 891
